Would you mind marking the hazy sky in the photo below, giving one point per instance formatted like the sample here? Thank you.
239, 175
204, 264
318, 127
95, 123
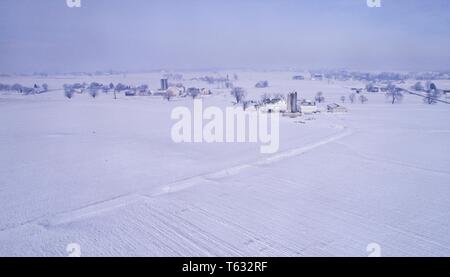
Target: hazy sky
46, 35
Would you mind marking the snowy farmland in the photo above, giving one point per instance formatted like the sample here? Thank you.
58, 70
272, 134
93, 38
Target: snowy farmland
105, 174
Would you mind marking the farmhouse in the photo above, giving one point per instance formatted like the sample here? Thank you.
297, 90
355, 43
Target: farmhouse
274, 105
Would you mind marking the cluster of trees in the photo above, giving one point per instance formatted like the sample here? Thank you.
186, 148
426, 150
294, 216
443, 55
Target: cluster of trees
418, 86
432, 93
365, 76
319, 97
353, 98
95, 88
222, 82
262, 84
394, 94
174, 76
212, 80
238, 94
428, 86
35, 89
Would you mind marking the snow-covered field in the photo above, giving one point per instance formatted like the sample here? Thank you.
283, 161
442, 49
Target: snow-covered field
105, 174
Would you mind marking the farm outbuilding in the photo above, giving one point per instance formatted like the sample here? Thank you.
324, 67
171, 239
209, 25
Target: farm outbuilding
308, 107
335, 108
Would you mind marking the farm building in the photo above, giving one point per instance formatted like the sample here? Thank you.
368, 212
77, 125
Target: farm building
357, 90
205, 91
373, 89
130, 92
318, 77
274, 105
335, 108
447, 94
175, 91
308, 107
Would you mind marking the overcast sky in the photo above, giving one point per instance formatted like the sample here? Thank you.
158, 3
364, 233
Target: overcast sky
46, 35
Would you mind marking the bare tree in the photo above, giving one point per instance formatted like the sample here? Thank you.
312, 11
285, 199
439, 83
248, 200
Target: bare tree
418, 86
352, 97
394, 94
93, 92
17, 87
363, 99
246, 104
266, 97
343, 99
431, 97
120, 87
319, 97
69, 92
239, 94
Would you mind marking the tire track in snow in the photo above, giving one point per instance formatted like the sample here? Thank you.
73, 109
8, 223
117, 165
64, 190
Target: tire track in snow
234, 170
86, 211
91, 210
107, 205
264, 243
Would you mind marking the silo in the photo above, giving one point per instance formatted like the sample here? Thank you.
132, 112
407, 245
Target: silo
292, 103
164, 84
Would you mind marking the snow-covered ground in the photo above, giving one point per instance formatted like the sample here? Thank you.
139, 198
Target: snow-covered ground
105, 174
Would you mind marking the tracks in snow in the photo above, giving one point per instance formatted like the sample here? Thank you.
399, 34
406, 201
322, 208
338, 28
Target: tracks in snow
100, 207
234, 170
